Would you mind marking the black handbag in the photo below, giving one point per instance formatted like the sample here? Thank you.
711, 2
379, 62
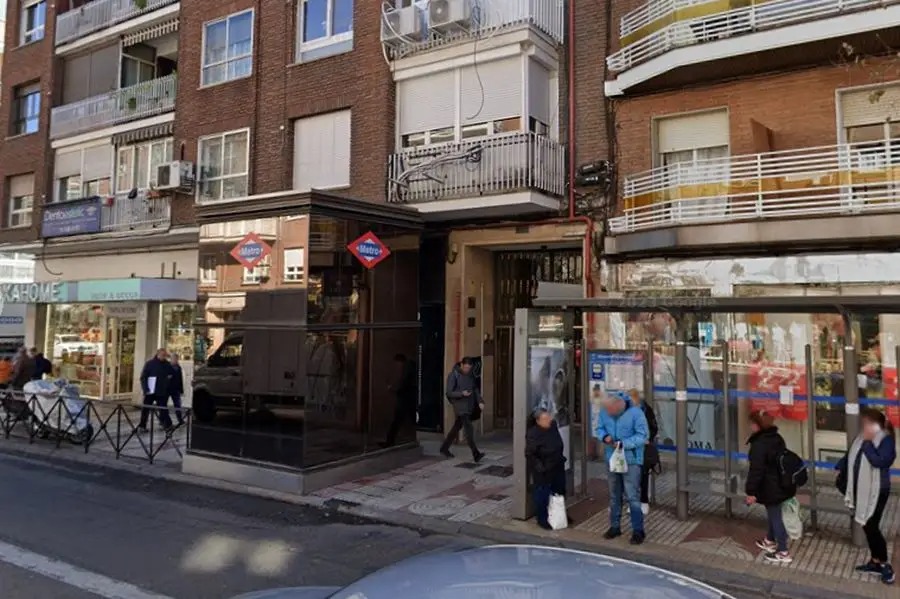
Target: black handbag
476, 412
651, 458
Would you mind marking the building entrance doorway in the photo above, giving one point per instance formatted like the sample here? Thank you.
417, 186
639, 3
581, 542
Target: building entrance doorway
516, 278
121, 341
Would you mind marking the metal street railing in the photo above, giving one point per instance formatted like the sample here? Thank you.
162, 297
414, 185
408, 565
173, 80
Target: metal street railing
486, 166
101, 14
663, 25
840, 179
94, 425
143, 100
134, 214
490, 18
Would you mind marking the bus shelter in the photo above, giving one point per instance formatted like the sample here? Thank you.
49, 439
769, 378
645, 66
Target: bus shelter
702, 379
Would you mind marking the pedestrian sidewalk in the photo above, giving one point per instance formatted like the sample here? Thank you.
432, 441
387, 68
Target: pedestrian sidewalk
458, 496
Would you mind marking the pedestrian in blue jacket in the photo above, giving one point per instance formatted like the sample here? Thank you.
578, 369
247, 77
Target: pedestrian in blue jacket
623, 425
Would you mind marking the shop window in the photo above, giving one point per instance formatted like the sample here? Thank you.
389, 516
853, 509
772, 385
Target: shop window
228, 48
34, 20
293, 265
137, 166
21, 200
224, 165
177, 329
27, 109
74, 344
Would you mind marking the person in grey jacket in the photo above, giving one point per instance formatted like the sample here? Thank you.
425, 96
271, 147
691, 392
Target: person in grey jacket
463, 394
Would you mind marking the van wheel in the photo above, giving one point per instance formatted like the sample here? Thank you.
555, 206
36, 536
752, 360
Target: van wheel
204, 408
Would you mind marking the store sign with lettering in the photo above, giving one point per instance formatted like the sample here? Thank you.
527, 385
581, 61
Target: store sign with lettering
30, 293
113, 290
71, 218
369, 250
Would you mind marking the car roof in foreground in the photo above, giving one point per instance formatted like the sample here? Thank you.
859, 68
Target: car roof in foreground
504, 571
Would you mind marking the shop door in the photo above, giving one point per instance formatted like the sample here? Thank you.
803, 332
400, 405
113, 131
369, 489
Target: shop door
516, 278
121, 338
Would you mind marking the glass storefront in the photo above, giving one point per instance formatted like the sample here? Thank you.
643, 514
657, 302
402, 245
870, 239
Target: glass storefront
75, 344
308, 361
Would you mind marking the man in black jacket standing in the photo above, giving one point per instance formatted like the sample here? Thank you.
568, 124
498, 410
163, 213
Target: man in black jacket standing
156, 380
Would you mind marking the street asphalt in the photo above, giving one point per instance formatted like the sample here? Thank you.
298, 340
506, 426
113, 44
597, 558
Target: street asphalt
70, 531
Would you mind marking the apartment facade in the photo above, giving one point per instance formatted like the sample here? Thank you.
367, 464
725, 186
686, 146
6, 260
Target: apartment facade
757, 153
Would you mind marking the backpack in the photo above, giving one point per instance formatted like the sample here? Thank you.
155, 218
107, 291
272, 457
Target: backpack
792, 470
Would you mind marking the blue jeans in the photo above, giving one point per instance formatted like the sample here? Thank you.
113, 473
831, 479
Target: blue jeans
554, 485
777, 531
629, 486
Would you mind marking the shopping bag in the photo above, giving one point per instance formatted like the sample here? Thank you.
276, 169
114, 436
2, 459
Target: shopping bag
617, 463
790, 514
556, 513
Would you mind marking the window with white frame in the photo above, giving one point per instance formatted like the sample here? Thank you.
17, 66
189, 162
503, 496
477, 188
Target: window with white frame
228, 48
34, 19
224, 165
322, 151
21, 200
293, 265
82, 173
137, 165
324, 22
255, 275
208, 270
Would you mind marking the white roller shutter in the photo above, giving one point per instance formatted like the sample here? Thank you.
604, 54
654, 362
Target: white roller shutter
427, 103
21, 185
492, 92
67, 164
540, 88
692, 131
870, 106
97, 163
322, 151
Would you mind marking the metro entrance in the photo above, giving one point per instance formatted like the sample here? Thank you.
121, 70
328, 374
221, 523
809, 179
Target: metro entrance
704, 377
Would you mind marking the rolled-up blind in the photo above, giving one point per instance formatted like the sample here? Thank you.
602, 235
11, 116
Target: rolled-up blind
21, 185
427, 102
67, 164
870, 106
692, 131
491, 91
97, 163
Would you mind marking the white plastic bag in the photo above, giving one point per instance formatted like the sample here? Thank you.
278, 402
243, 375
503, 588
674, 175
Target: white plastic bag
556, 513
790, 514
617, 463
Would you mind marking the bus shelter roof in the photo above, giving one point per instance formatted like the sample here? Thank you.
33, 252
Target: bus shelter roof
879, 304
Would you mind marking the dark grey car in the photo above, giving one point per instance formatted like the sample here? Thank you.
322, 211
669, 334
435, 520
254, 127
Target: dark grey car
512, 572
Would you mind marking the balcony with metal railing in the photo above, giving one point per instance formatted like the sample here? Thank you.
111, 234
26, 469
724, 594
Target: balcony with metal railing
486, 166
140, 101
140, 213
841, 180
653, 35
414, 29
102, 14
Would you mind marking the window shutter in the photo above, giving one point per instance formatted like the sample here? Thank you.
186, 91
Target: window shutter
341, 156
97, 163
427, 103
22, 185
540, 89
501, 81
870, 106
692, 131
322, 151
67, 164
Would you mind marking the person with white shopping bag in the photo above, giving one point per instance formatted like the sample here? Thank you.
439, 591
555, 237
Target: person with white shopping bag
623, 429
544, 451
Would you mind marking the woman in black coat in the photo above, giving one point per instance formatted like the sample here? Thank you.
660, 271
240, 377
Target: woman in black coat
651, 454
764, 484
544, 451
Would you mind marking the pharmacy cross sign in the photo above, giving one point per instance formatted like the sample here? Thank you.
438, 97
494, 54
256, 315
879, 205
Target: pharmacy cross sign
251, 250
369, 250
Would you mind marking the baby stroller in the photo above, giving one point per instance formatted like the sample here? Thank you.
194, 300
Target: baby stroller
55, 408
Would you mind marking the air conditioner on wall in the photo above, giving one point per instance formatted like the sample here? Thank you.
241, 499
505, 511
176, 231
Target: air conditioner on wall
403, 25
175, 175
451, 15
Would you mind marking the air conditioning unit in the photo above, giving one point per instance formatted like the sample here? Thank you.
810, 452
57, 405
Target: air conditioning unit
451, 15
403, 25
175, 175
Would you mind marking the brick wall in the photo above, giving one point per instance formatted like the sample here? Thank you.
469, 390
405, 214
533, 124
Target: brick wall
26, 153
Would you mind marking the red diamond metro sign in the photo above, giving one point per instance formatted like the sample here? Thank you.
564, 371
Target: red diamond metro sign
251, 250
369, 250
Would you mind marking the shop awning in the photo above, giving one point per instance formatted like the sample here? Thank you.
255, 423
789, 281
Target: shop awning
100, 291
144, 134
226, 303
879, 304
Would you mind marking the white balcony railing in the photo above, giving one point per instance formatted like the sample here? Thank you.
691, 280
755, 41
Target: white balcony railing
490, 165
237, 229
135, 214
662, 25
490, 18
829, 180
122, 105
101, 14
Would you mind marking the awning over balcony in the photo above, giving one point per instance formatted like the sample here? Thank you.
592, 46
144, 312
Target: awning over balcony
144, 134
151, 33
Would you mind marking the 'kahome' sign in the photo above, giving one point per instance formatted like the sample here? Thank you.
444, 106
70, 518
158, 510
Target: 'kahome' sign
30, 293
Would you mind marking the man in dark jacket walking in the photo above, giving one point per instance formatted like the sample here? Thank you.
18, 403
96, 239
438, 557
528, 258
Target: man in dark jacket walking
156, 381
463, 395
176, 389
42, 365
23, 369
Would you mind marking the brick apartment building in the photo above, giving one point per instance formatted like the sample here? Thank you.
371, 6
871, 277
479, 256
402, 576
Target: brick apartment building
757, 154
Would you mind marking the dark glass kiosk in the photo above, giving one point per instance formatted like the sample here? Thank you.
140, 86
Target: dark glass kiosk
307, 341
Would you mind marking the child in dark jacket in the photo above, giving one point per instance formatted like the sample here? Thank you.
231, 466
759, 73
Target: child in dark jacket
764, 485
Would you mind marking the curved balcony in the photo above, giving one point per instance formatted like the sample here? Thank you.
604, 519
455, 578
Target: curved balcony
840, 180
